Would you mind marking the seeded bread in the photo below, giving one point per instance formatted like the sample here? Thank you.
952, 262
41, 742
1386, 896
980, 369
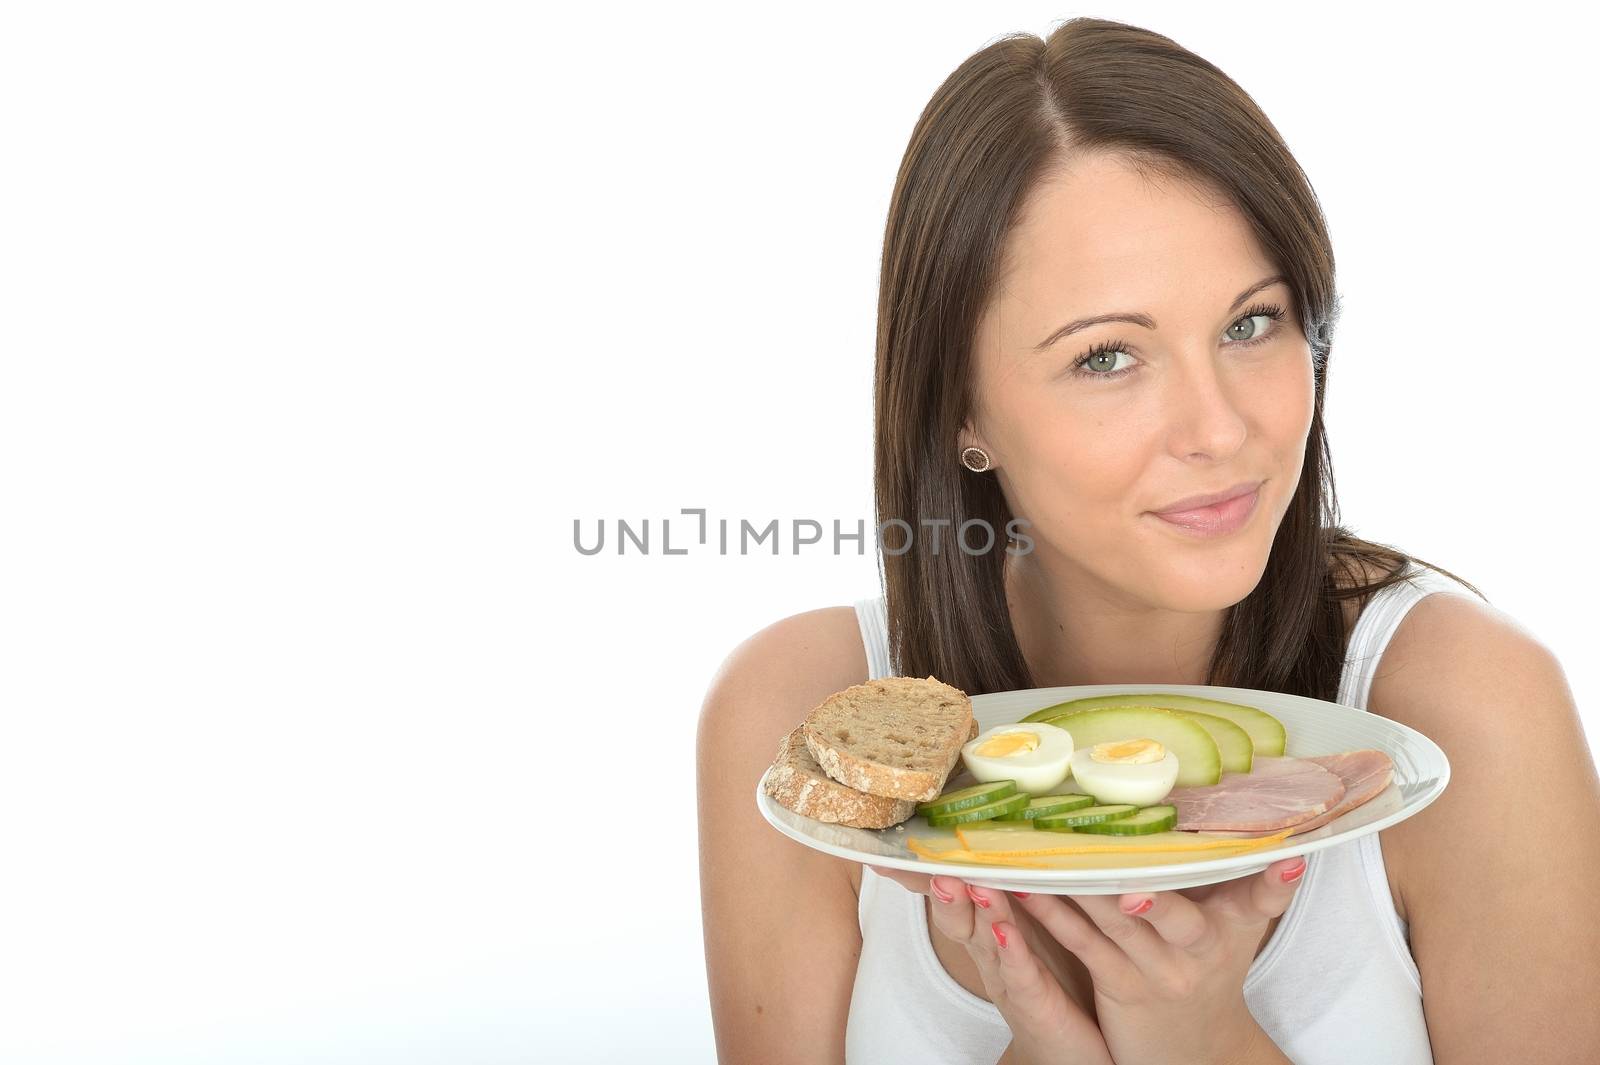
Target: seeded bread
798, 783
897, 737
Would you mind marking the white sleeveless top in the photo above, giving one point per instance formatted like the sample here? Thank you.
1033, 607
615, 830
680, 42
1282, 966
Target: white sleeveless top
1336, 983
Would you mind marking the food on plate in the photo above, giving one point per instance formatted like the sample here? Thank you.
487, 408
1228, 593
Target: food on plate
1008, 804
796, 781
1233, 742
870, 721
1005, 847
1277, 793
1266, 732
1138, 771
1199, 760
989, 839
897, 737
1143, 822
1155, 779
1087, 815
968, 797
1047, 805
1036, 756
1365, 774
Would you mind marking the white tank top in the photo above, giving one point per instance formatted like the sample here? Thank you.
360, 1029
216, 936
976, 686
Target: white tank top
1336, 983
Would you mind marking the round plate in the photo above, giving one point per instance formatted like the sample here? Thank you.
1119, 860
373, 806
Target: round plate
1314, 728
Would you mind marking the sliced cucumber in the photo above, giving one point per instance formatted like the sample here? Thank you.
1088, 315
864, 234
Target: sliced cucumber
1148, 820
1003, 824
1007, 805
1088, 815
968, 797
1046, 805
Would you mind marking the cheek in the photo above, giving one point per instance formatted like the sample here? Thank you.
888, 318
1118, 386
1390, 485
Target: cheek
1073, 475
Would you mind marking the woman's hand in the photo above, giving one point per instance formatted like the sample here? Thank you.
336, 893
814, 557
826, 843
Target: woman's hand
1168, 967
1068, 971
1047, 1026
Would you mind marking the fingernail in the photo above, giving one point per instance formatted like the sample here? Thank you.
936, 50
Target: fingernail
977, 898
1143, 906
1000, 937
1019, 894
938, 892
1292, 874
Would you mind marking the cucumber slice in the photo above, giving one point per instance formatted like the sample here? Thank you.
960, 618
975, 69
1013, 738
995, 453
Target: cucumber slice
1088, 815
1045, 805
1148, 820
1008, 804
1003, 824
968, 797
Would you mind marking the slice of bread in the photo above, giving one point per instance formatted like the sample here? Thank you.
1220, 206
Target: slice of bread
798, 783
897, 737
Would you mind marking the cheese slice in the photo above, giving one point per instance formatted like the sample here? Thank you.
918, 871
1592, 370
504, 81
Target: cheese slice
1123, 860
1002, 842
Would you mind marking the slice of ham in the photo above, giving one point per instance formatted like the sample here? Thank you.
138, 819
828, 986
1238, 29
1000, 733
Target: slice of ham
1276, 794
1365, 774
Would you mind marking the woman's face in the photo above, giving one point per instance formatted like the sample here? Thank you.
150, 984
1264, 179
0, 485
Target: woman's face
1179, 405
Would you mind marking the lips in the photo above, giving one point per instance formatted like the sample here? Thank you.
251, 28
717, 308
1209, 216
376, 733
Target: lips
1195, 505
1218, 519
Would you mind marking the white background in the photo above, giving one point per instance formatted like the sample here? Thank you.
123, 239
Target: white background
322, 322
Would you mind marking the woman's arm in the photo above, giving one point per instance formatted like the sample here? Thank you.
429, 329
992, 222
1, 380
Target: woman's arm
781, 933
1497, 879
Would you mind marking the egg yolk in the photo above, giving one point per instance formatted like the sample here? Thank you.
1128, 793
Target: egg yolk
1007, 744
1128, 752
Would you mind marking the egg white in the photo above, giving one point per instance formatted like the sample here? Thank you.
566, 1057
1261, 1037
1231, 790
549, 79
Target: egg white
1120, 782
1036, 772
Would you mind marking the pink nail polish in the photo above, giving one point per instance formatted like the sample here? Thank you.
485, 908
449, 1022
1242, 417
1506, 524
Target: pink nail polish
1143, 907
1293, 874
1020, 894
999, 936
939, 893
977, 898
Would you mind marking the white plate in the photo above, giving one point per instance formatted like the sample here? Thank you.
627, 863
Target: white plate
1314, 728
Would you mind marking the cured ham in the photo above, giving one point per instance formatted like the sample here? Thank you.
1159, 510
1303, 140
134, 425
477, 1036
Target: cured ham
1276, 794
1365, 774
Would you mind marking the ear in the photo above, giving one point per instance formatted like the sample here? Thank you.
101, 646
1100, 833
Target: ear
969, 437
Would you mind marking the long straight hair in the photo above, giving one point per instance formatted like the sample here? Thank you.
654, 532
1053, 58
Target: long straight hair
1004, 119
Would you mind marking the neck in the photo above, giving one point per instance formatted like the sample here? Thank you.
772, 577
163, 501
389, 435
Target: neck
1074, 628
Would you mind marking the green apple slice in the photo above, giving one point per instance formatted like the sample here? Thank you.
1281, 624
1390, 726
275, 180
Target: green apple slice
1266, 731
1199, 758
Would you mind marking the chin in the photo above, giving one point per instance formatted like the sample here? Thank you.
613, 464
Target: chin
1206, 581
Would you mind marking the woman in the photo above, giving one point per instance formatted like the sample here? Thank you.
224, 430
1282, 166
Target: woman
1107, 289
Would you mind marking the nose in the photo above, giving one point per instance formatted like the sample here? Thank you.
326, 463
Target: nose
1206, 421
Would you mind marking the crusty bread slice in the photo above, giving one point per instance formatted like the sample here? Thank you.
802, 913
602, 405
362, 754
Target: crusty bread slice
895, 736
797, 782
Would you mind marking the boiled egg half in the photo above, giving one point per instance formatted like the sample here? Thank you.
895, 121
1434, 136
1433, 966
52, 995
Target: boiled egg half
1138, 771
1035, 755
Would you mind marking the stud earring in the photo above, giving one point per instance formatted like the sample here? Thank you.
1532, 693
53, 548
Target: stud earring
975, 459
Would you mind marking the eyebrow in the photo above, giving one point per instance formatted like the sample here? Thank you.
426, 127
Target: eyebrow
1144, 319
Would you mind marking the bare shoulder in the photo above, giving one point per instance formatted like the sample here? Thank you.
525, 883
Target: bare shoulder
780, 986
800, 653
769, 682
1513, 841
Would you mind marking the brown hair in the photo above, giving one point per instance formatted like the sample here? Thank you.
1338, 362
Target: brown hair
1005, 118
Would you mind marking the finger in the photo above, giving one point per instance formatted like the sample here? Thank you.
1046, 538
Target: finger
1132, 935
989, 905
1177, 920
1272, 890
917, 882
1107, 963
952, 907
1033, 997
1254, 900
